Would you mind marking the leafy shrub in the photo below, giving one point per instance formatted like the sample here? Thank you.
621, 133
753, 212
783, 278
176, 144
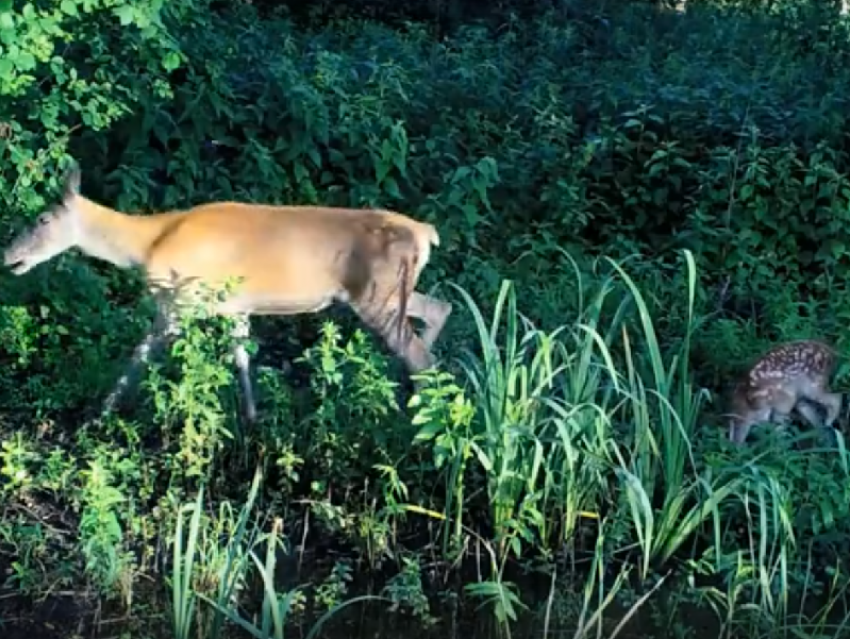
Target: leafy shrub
581, 415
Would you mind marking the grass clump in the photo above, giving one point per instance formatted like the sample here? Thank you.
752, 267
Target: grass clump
632, 203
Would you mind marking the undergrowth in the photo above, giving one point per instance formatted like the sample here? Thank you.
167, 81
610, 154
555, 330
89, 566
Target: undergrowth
632, 203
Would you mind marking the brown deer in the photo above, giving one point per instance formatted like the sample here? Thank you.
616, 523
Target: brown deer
287, 260
788, 376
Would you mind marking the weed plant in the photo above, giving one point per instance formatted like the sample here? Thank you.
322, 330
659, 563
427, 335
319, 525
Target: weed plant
632, 202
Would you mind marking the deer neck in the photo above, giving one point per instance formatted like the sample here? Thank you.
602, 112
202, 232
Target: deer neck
121, 239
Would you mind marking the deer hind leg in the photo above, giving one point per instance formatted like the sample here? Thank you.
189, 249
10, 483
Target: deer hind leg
833, 407
432, 311
832, 402
817, 393
164, 329
808, 409
809, 412
809, 405
240, 332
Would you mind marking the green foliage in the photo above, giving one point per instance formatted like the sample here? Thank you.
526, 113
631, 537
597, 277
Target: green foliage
59, 74
577, 412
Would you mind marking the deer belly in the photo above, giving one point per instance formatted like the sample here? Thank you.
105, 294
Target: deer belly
267, 284
276, 304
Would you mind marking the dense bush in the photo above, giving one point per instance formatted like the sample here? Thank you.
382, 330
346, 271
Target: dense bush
632, 203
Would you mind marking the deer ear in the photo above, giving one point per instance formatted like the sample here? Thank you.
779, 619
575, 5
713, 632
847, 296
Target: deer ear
72, 181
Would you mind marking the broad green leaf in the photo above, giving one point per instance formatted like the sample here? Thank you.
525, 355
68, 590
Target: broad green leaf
171, 61
428, 431
125, 14
69, 7
25, 61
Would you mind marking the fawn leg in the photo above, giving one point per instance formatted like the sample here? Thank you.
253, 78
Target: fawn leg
740, 426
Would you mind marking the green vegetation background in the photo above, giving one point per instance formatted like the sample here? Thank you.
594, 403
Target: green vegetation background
633, 202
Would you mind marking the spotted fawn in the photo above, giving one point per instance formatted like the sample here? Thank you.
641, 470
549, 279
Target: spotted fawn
791, 375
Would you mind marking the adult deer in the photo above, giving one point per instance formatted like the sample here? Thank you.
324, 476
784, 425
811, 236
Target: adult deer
287, 260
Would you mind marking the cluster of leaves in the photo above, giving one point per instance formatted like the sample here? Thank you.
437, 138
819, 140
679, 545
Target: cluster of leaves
632, 130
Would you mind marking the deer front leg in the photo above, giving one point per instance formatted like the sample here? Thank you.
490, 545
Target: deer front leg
165, 328
240, 332
741, 425
781, 411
